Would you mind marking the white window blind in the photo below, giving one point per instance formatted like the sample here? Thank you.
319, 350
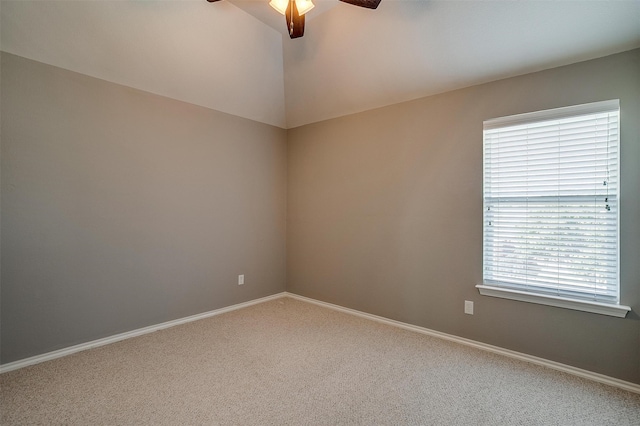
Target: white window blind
551, 202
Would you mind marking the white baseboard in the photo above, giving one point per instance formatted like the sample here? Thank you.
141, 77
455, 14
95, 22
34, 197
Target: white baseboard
129, 334
600, 378
596, 377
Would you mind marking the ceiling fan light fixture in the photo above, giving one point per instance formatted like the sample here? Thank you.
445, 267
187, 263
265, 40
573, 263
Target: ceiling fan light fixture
279, 5
304, 6
294, 11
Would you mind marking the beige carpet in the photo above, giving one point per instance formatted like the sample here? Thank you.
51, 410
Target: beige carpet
287, 362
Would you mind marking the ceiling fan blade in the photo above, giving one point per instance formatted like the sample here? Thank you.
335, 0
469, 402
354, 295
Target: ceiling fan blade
295, 22
369, 4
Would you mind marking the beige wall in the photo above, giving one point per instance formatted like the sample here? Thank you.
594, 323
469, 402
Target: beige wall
384, 215
122, 209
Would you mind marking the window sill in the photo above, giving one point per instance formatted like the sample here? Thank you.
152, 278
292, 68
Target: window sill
619, 311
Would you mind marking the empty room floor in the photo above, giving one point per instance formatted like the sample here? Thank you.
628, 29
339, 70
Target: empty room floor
289, 362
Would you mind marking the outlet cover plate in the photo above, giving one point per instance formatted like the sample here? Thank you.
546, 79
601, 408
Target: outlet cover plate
468, 307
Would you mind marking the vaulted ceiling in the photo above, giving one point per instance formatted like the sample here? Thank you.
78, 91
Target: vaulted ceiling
234, 56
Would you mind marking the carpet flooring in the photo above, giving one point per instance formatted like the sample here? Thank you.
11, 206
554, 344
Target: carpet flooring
288, 362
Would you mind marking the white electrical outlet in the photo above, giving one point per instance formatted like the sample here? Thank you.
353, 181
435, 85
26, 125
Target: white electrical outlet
468, 307
240, 279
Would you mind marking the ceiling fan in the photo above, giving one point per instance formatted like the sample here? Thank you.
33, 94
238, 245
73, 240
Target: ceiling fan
294, 11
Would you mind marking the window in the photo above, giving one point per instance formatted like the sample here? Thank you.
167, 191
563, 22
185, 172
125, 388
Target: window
551, 208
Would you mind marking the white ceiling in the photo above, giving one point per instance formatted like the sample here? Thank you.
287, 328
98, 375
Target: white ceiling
234, 56
353, 60
214, 55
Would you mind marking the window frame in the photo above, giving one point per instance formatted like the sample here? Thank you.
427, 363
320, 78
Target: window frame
513, 292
